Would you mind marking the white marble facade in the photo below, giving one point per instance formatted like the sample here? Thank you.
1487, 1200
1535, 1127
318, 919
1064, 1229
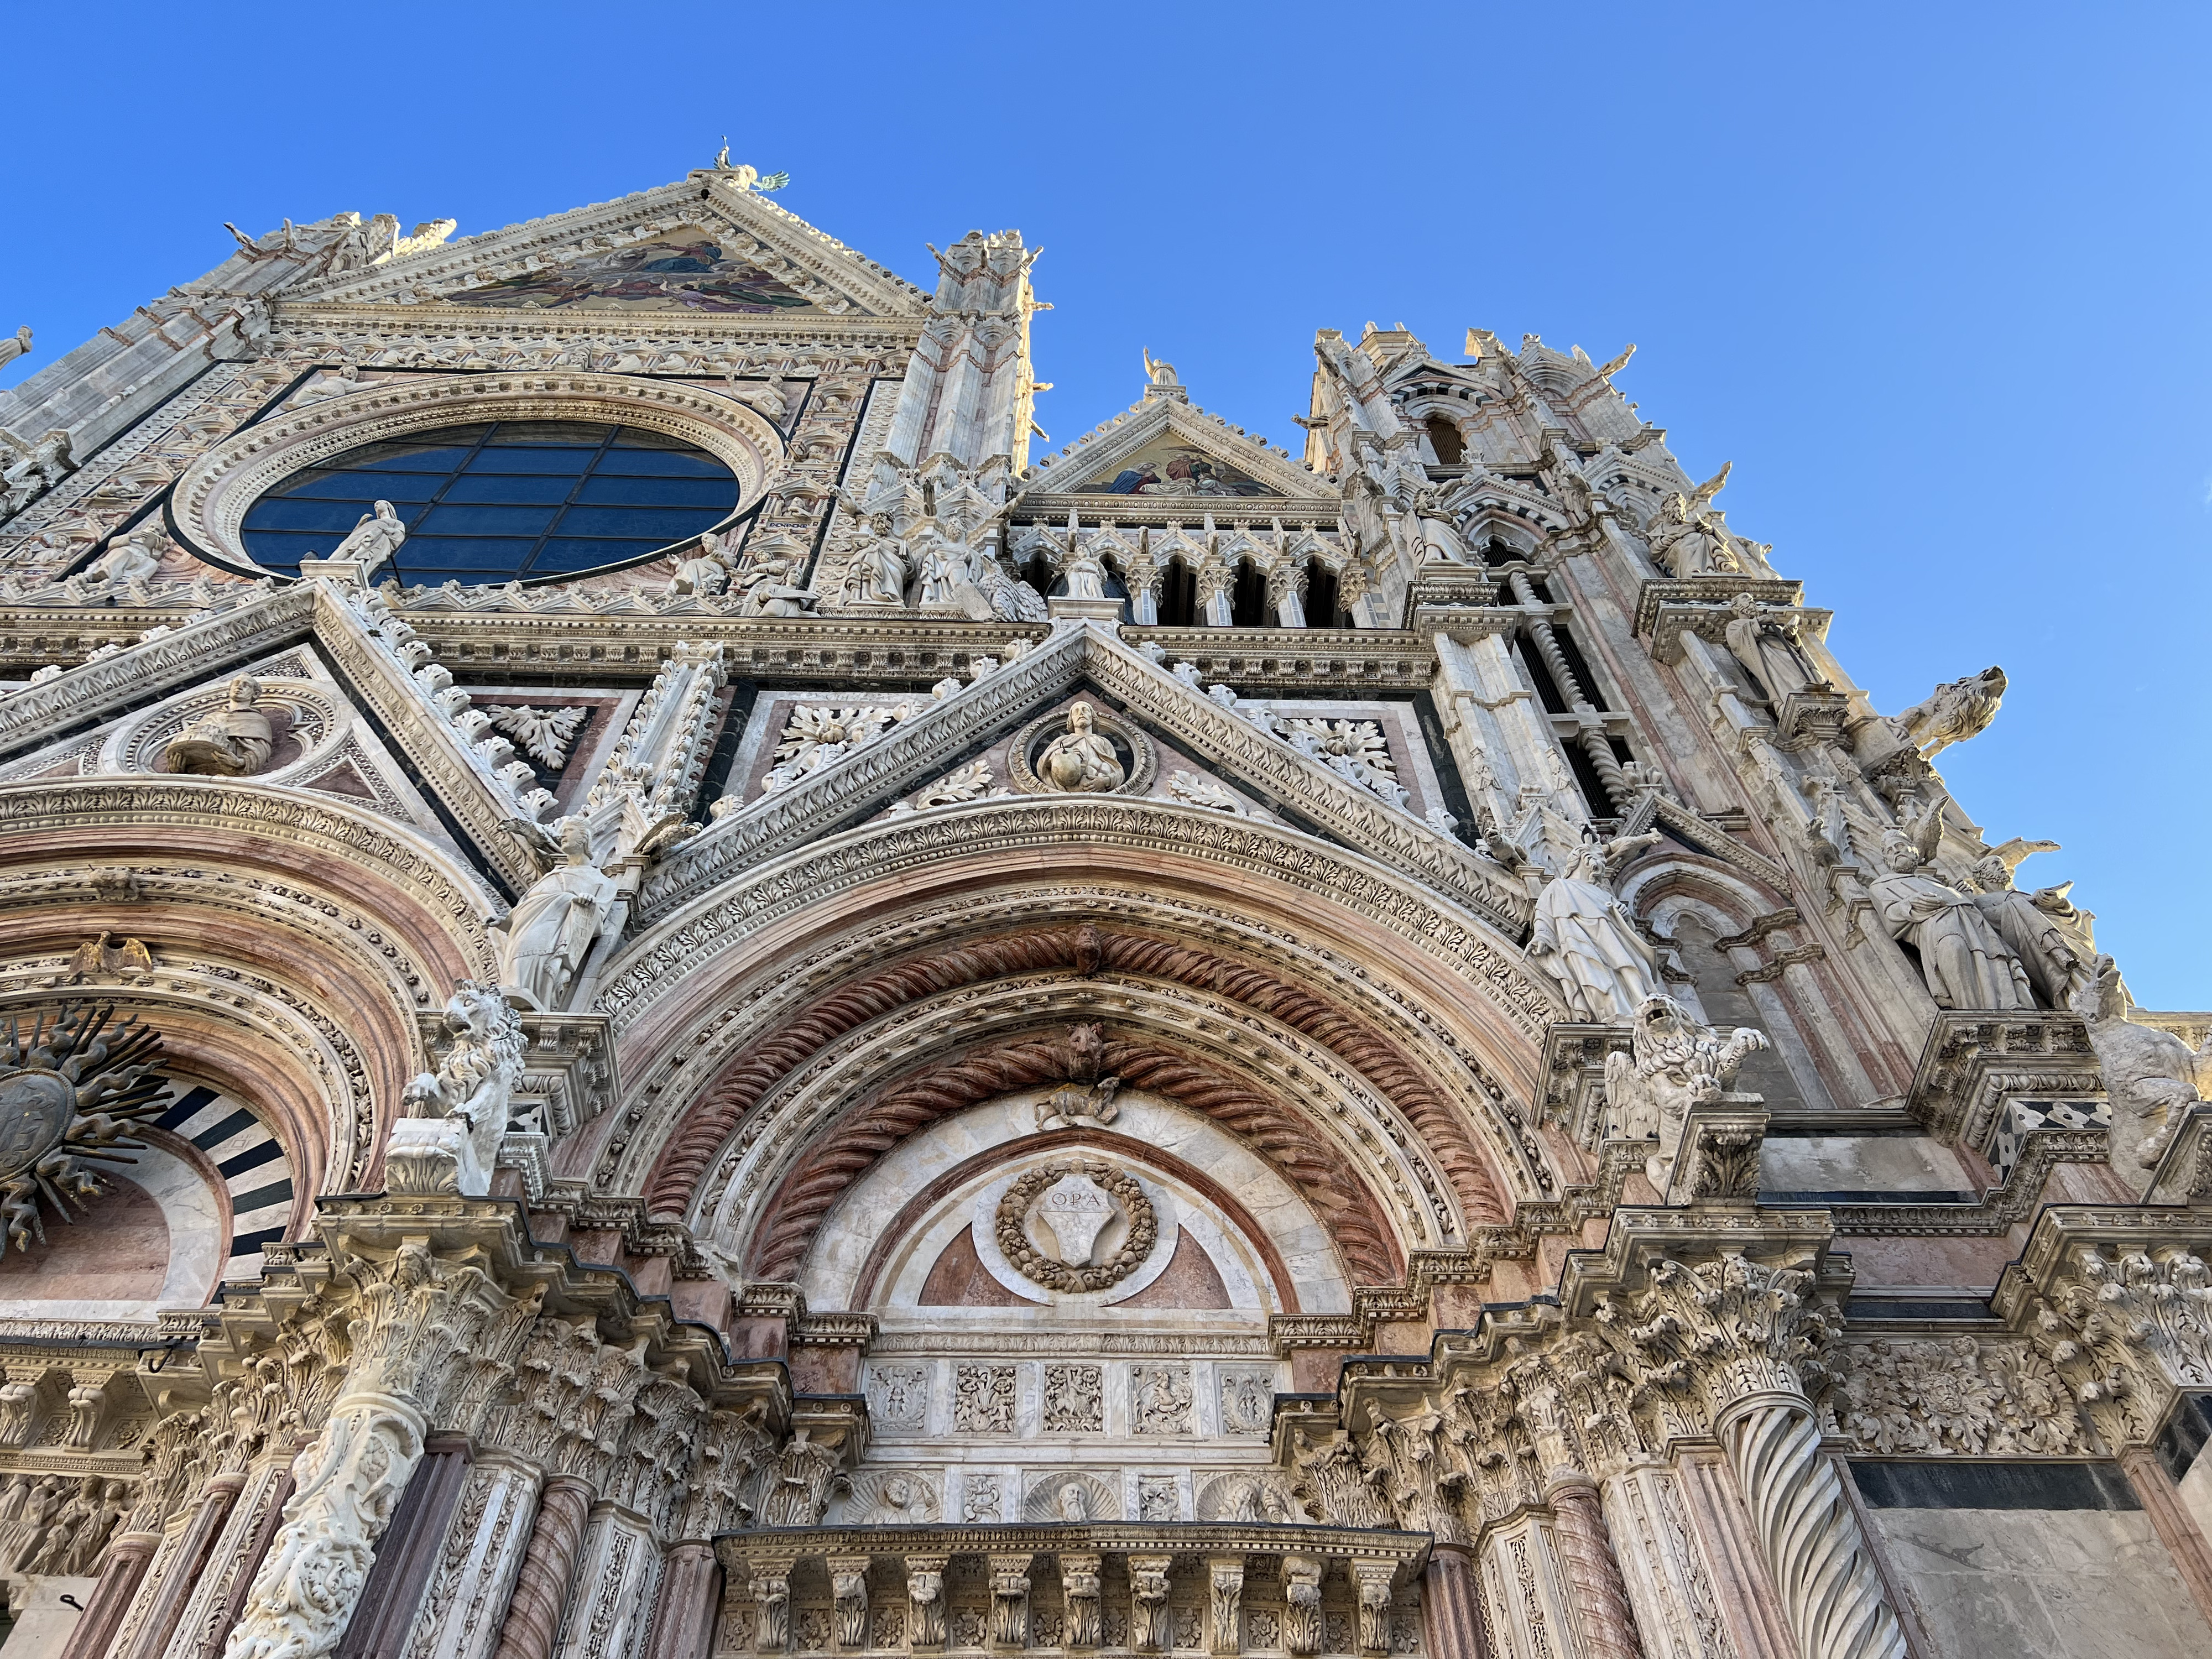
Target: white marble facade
754, 1018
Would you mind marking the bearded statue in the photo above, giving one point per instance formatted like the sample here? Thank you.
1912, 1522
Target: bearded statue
1674, 1063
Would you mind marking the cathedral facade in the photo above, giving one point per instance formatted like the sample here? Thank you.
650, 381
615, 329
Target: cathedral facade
665, 997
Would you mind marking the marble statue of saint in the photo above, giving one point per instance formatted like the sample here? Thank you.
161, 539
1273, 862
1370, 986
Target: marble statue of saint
1768, 648
877, 574
705, 570
1085, 570
763, 589
16, 345
551, 928
1963, 958
373, 540
234, 742
134, 558
1081, 758
2043, 929
1584, 937
1439, 538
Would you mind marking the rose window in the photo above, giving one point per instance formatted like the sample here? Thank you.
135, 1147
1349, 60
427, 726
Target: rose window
500, 501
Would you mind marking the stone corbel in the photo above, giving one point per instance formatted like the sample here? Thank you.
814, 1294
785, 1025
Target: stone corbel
848, 1591
1079, 1597
1150, 1625
771, 1586
925, 1595
1302, 1631
1372, 1580
1719, 1157
1225, 1602
1010, 1601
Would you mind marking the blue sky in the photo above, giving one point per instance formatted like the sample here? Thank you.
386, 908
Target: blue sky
1933, 277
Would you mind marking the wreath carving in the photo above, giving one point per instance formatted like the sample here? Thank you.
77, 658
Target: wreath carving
1013, 1238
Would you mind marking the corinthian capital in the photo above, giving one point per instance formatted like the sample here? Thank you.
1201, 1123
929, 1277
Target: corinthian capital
1732, 1329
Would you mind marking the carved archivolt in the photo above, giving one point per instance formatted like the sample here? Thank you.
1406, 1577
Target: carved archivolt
426, 896
212, 496
794, 1033
837, 1153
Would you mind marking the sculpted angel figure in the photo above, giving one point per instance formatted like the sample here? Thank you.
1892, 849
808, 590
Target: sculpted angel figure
546, 937
1081, 757
1765, 642
1673, 1064
1584, 937
1964, 961
234, 742
373, 540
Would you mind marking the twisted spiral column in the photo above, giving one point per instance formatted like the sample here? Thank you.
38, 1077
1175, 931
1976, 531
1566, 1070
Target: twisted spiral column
1808, 1531
1601, 1597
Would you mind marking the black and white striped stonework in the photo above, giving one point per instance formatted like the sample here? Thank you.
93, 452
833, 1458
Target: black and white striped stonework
255, 1170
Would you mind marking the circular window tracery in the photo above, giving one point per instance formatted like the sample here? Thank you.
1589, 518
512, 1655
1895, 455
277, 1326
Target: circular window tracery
499, 501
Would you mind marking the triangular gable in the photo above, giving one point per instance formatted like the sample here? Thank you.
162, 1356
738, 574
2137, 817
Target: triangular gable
702, 248
480, 804
918, 750
1165, 454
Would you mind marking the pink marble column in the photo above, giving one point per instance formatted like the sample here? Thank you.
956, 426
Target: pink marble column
407, 1552
119, 1575
691, 1583
1451, 1623
1594, 1576
541, 1588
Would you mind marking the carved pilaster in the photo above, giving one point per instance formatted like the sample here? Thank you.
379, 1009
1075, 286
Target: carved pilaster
682, 1625
477, 1569
925, 1595
1225, 1602
121, 1569
1079, 1594
221, 1586
848, 1591
175, 1570
1010, 1601
611, 1591
1150, 1629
